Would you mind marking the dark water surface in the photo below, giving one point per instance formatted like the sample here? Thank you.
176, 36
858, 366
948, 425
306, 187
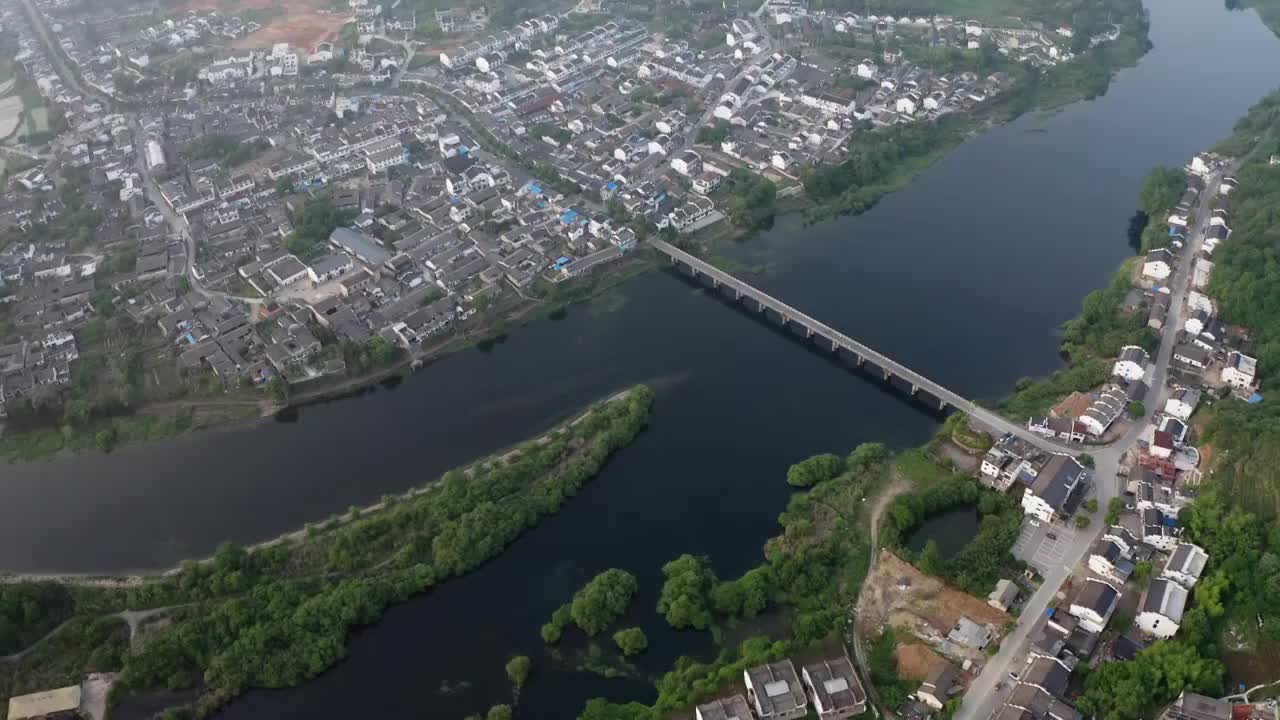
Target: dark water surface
952, 530
964, 276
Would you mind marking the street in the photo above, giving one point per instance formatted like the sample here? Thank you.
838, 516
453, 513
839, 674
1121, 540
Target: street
981, 701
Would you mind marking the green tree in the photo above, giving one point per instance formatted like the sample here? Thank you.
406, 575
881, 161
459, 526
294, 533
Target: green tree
1082, 521
499, 712
278, 389
602, 709
1090, 505
518, 670
931, 562
1162, 189
1115, 506
106, 439
1142, 573
631, 640
814, 470
603, 600
685, 599
1137, 409
551, 633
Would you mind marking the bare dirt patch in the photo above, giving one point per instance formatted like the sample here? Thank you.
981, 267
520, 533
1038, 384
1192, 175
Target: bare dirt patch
301, 23
915, 660
900, 595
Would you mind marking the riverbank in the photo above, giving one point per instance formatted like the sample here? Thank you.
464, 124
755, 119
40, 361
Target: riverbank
302, 593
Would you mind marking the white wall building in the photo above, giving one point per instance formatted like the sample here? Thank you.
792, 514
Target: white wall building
1162, 611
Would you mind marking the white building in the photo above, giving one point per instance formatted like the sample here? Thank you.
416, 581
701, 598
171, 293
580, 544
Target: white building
1158, 264
1132, 363
1161, 613
687, 163
1108, 560
775, 691
1182, 403
381, 160
1046, 497
1094, 605
1185, 565
1240, 370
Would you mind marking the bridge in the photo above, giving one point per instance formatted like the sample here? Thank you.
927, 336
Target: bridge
826, 336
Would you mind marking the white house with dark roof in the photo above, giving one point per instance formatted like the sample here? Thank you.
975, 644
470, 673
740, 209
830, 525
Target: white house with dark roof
1185, 565
775, 691
1046, 497
1161, 612
1110, 402
1182, 403
1049, 674
937, 684
1132, 363
1240, 370
1109, 560
1191, 356
1159, 530
1158, 264
1094, 604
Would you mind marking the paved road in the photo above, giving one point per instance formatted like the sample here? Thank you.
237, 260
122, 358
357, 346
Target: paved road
177, 223
56, 56
981, 699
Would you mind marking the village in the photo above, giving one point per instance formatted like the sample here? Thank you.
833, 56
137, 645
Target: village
310, 208
267, 206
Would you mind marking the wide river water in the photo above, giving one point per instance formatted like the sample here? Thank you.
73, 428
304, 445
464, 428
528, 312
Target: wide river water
964, 276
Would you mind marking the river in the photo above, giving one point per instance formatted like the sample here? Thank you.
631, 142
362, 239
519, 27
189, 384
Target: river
963, 276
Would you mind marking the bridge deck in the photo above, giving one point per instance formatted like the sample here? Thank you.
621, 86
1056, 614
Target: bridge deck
840, 340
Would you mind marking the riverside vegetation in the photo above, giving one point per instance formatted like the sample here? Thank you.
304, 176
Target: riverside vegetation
279, 615
812, 570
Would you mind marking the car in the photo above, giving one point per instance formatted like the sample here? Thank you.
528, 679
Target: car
1033, 523
1051, 536
1013, 676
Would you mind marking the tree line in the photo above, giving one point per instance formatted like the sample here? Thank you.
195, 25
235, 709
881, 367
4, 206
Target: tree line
280, 615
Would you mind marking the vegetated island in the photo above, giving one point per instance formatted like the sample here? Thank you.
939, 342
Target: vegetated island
279, 614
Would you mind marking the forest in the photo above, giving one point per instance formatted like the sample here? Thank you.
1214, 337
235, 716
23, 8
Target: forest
279, 615
1246, 285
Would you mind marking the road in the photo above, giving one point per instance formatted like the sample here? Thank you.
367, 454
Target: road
177, 223
56, 56
981, 700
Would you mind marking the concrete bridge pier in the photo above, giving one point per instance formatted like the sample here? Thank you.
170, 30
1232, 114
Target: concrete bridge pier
914, 389
887, 374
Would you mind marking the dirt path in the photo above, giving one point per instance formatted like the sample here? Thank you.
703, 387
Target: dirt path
15, 657
897, 486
